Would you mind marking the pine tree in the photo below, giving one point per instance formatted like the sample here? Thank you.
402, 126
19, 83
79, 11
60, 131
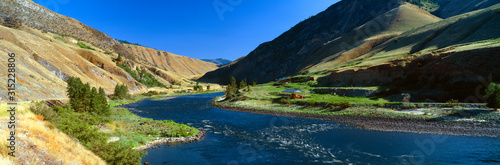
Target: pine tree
83, 98
232, 83
493, 96
243, 84
104, 106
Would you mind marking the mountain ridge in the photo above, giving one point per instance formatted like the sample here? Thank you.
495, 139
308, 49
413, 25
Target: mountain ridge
283, 56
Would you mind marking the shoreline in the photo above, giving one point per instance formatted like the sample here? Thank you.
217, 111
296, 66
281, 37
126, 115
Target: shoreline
420, 126
165, 140
161, 141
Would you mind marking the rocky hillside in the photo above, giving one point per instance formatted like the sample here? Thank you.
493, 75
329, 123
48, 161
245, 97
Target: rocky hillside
50, 47
179, 65
41, 18
332, 38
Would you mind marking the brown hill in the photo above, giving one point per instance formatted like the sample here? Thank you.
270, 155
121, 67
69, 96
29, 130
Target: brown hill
179, 65
366, 37
43, 62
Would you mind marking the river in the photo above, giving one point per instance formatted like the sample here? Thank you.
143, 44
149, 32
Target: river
247, 138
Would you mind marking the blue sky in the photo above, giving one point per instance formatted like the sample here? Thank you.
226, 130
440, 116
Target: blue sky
194, 28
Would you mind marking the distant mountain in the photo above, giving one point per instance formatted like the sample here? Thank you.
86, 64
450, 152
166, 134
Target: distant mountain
218, 61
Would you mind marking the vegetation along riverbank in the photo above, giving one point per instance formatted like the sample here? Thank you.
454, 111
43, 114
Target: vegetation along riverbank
112, 132
373, 113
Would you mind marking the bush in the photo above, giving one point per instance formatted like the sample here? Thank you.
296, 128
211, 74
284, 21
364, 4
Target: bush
345, 104
493, 96
198, 87
150, 93
452, 103
79, 126
41, 109
82, 45
114, 153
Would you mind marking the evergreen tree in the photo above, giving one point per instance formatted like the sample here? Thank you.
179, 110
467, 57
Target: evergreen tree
243, 84
103, 102
121, 91
493, 96
232, 83
208, 87
83, 98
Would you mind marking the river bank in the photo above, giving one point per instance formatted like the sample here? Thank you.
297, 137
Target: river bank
157, 142
397, 124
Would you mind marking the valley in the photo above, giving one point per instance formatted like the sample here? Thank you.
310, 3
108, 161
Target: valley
362, 82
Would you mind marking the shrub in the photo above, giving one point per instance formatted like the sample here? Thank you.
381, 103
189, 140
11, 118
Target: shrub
493, 96
198, 87
409, 106
345, 104
114, 153
82, 45
41, 109
451, 103
150, 93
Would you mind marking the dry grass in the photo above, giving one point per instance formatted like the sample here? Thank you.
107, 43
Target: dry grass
39, 142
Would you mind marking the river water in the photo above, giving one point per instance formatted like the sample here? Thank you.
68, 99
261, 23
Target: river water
247, 138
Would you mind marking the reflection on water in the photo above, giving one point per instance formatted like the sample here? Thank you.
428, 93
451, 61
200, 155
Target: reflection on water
246, 138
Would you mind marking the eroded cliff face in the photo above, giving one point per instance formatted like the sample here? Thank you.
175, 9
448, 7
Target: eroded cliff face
169, 62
